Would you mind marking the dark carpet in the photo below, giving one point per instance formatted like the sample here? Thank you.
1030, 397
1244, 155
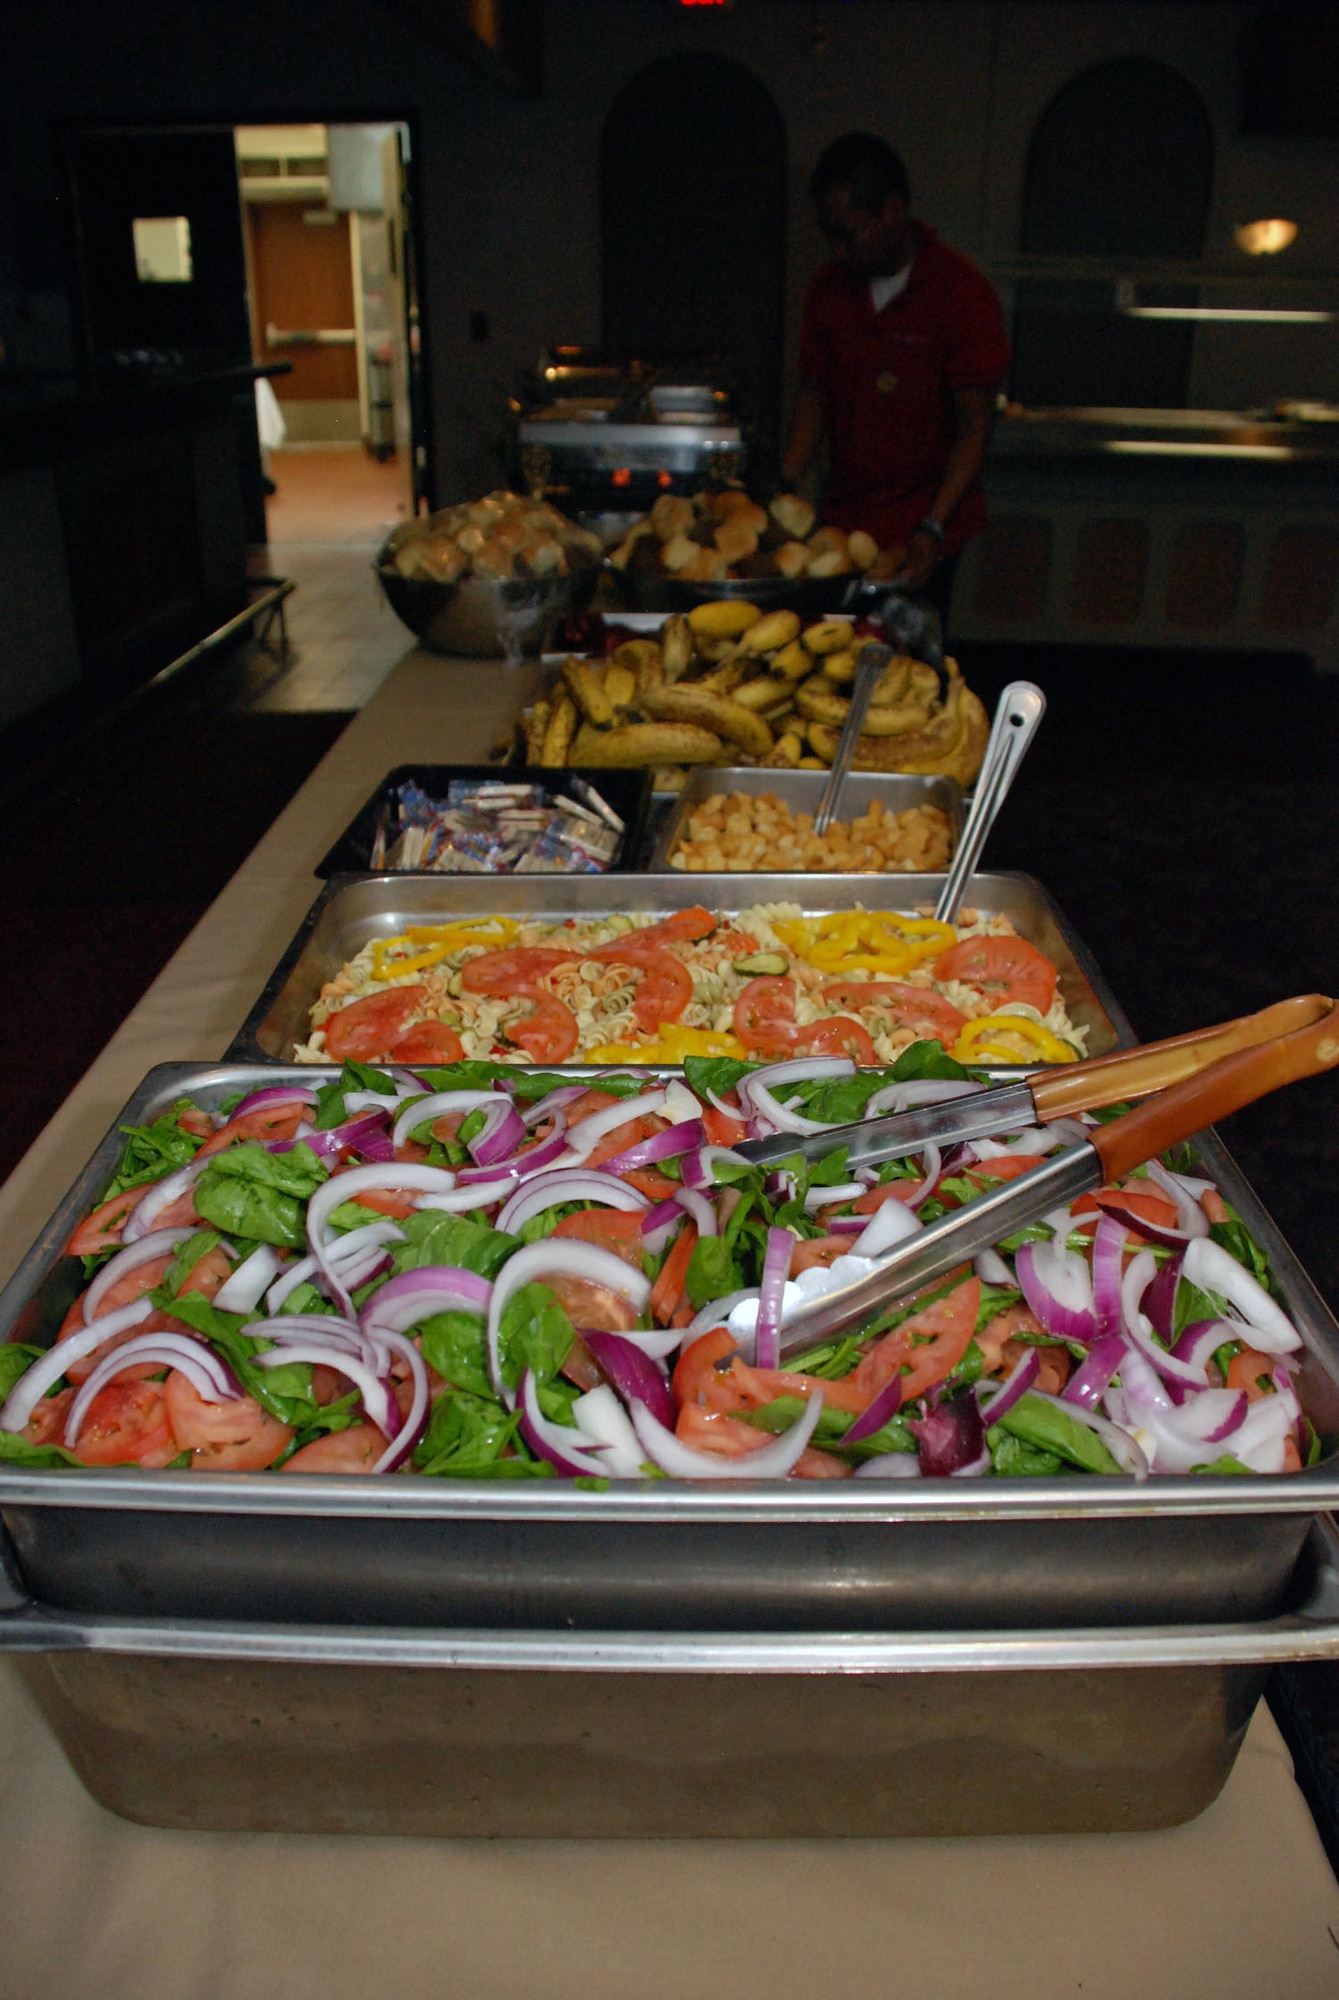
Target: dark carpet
113, 844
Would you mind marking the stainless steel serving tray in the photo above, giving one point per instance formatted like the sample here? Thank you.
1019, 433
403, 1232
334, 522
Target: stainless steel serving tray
310, 1729
932, 1556
353, 909
802, 791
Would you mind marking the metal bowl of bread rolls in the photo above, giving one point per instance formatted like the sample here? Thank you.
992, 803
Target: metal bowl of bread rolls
720, 543
487, 579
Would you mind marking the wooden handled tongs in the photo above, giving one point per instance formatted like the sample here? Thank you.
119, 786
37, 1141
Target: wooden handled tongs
1186, 1083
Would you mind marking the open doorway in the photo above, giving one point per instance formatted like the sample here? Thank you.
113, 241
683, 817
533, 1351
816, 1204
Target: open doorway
330, 282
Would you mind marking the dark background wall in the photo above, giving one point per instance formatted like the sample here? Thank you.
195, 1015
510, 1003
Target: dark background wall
509, 183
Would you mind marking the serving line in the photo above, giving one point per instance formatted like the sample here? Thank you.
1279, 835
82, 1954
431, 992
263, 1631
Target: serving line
59, 1853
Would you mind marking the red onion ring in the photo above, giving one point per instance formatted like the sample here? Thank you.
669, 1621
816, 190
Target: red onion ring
564, 1184
160, 1195
775, 1270
275, 1093
47, 1370
440, 1102
208, 1374
667, 1145
414, 1295
885, 1405
157, 1243
243, 1289
1015, 1384
378, 1399
570, 1451
772, 1461
633, 1374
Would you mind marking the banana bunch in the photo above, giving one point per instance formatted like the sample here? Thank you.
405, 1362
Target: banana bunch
729, 684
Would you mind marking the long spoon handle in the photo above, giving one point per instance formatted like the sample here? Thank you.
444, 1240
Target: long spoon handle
868, 672
1021, 708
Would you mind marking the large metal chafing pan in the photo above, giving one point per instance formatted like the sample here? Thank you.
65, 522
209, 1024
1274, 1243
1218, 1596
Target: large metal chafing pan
337, 1729
802, 791
353, 909
936, 1555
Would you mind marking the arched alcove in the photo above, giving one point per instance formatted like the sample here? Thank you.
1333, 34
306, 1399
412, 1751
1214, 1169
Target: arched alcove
693, 222
1120, 166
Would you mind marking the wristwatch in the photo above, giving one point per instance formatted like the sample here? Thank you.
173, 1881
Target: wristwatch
929, 526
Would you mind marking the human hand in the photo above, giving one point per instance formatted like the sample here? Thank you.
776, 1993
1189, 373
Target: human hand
920, 561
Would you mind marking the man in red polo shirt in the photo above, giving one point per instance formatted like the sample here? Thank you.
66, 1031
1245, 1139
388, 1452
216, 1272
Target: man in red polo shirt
902, 350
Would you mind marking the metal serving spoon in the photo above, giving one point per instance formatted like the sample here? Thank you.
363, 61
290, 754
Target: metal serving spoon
1021, 708
869, 666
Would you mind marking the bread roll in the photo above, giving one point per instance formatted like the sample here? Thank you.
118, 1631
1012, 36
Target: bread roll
796, 516
792, 558
736, 538
704, 566
862, 549
678, 551
671, 516
828, 541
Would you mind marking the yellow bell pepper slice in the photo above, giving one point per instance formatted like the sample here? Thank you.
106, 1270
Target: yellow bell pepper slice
977, 1041
391, 961
671, 1045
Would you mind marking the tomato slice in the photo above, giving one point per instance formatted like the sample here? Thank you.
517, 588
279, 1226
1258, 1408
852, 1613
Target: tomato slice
1007, 968
920, 1008
616, 1229
588, 1104
428, 1042
102, 1229
369, 1027
663, 991
590, 1305
683, 927
721, 1128
622, 1138
517, 970
128, 1424
764, 1016
267, 1121
928, 1346
355, 1450
236, 1436
549, 1033
839, 1035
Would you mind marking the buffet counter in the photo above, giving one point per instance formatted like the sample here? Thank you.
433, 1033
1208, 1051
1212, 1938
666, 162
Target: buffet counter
1168, 528
1240, 1901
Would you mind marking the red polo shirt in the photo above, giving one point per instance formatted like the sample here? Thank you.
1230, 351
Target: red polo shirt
887, 379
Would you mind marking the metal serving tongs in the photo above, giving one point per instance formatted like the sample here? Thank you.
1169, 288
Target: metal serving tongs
1017, 718
1108, 1153
1047, 1094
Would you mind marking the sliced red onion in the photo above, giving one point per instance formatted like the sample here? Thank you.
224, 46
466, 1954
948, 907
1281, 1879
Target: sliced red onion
772, 1461
1123, 1448
1261, 1442
564, 1257
502, 1132
159, 1196
158, 1243
701, 1210
1089, 1383
587, 1133
413, 1426
991, 1269
378, 1399
891, 1223
1058, 1286
634, 1375
1006, 1393
1033, 1142
895, 1098
1183, 1438
848, 1225
890, 1465
415, 1295
699, 1168
47, 1370
1139, 1332
569, 1451
439, 1103
758, 1090
1108, 1268
885, 1406
208, 1374
564, 1184
660, 1224
605, 1421
347, 1252
343, 1187
1141, 1380
775, 1271
1201, 1340
341, 1336
828, 1197
556, 1100
536, 1159
951, 1438
244, 1288
1190, 1217
1211, 1268
670, 1144
275, 1093
1158, 1303
716, 1313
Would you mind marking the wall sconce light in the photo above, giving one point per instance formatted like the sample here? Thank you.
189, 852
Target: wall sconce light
1265, 238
